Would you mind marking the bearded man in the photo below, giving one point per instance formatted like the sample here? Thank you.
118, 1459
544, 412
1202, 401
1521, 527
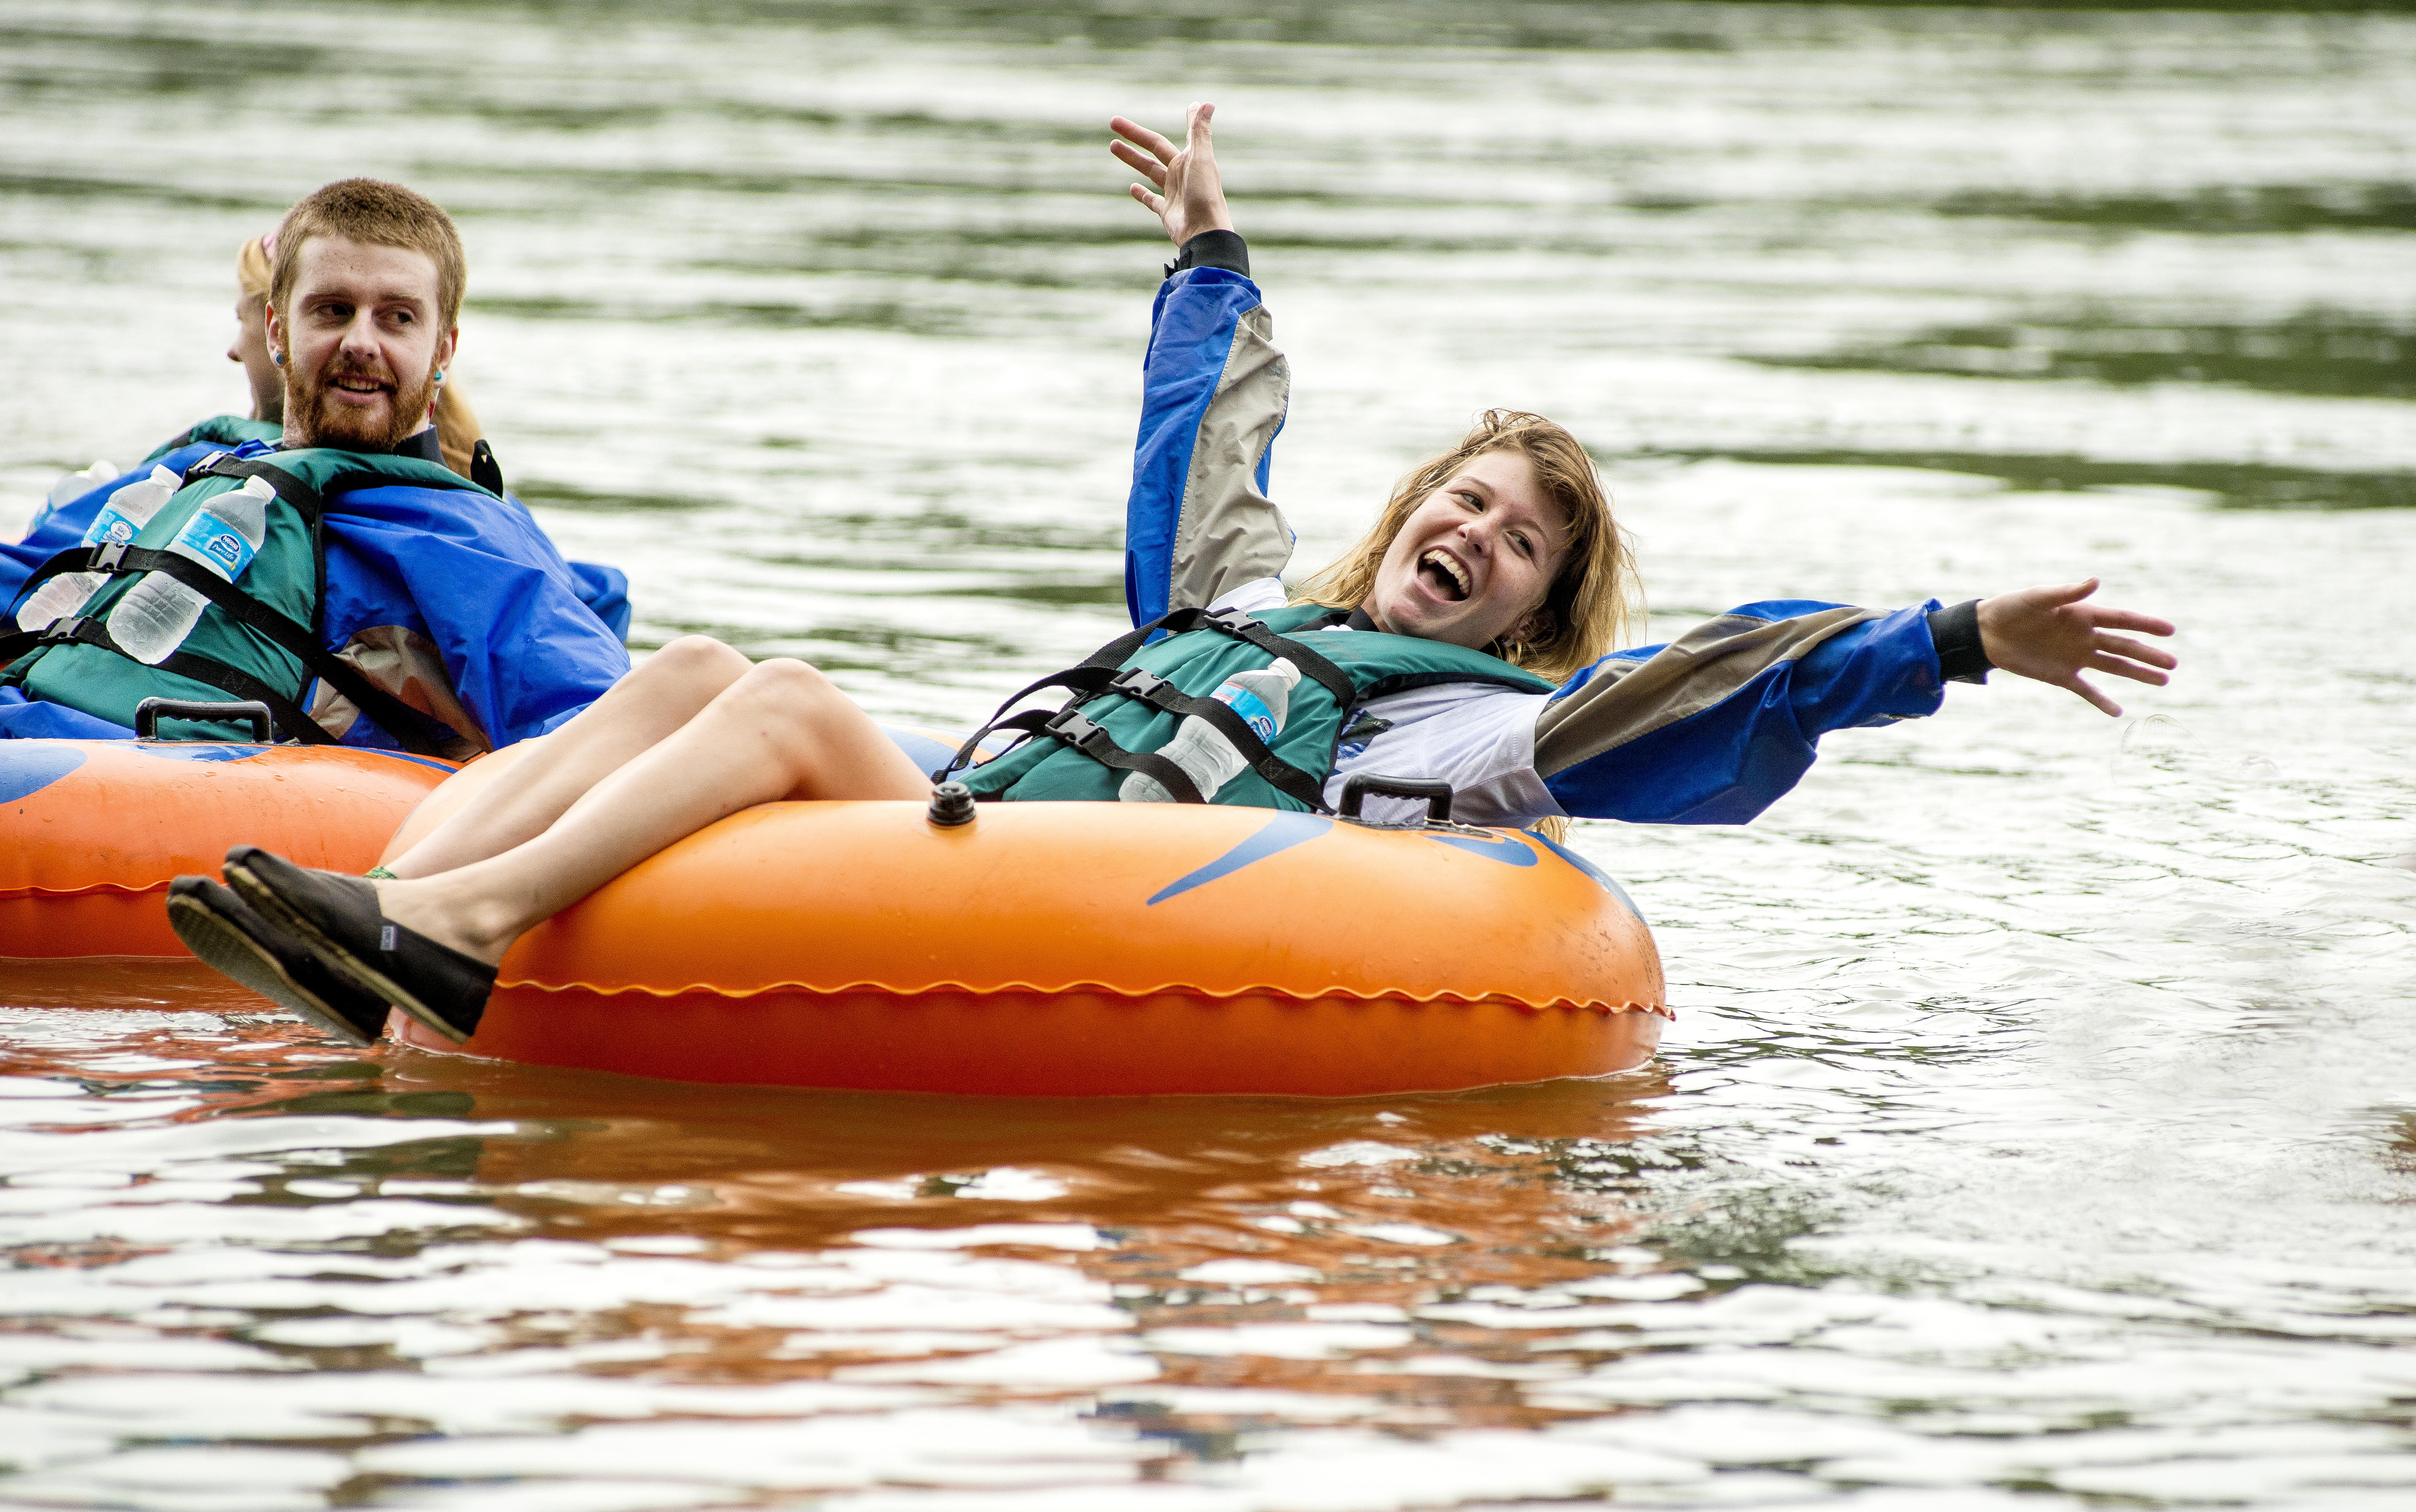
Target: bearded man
389, 602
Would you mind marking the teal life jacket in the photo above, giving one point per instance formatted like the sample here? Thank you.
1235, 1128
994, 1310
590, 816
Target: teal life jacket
234, 429
259, 638
1128, 698
225, 429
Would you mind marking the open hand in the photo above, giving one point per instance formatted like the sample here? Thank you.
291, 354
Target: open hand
1192, 197
2049, 634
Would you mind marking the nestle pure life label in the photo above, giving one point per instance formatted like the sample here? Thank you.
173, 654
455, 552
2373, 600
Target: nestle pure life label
129, 509
1254, 713
111, 528
215, 544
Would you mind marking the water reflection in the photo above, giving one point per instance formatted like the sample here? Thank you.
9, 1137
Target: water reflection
2238, 209
410, 1228
2314, 352
2232, 485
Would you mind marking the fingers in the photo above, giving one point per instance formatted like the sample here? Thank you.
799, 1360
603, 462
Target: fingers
1143, 138
2124, 619
2132, 670
1140, 162
1194, 125
2096, 699
1151, 202
2123, 645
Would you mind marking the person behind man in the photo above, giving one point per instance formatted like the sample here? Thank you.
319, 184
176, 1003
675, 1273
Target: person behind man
388, 600
77, 499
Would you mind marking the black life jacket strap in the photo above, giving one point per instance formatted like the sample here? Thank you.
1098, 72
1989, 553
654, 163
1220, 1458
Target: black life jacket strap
1083, 680
1103, 671
315, 502
80, 629
1076, 729
1071, 727
297, 723
1279, 774
292, 490
415, 732
74, 559
1235, 623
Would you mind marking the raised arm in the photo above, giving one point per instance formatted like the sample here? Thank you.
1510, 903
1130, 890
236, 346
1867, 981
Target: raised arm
1199, 523
1717, 725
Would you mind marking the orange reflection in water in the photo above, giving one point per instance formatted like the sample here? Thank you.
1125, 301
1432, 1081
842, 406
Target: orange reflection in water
1267, 1245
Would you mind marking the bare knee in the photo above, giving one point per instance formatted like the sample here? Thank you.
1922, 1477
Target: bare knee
697, 657
789, 687
687, 675
789, 701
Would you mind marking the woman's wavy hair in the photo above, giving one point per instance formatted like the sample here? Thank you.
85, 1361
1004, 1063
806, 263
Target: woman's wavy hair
1595, 603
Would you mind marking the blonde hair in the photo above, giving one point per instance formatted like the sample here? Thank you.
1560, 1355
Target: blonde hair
1594, 603
456, 423
252, 266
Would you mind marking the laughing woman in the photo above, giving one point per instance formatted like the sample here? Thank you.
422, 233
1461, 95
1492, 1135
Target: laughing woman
1467, 639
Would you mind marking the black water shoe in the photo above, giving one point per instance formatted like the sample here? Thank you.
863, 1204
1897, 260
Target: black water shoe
231, 936
338, 917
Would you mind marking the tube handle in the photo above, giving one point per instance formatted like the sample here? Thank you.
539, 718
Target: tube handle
148, 713
1437, 795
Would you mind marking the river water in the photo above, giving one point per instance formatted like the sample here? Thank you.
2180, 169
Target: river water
2039, 1124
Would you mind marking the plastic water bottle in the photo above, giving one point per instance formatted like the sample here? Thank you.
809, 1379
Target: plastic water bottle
158, 612
1206, 756
75, 485
125, 513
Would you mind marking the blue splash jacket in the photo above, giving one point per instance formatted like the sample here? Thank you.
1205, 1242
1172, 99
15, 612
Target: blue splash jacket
478, 580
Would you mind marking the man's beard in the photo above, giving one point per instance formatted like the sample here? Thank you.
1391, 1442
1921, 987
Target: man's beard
325, 422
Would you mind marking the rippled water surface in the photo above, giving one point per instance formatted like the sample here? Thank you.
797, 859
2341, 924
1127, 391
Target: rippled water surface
2039, 1126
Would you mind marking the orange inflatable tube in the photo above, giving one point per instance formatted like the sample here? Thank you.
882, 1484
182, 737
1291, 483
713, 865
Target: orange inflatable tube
1082, 949
92, 831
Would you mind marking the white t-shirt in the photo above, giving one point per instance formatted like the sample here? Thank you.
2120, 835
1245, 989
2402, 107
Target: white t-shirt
1479, 738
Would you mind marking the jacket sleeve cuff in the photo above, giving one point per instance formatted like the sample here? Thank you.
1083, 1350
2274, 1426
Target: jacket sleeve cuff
1213, 249
1955, 633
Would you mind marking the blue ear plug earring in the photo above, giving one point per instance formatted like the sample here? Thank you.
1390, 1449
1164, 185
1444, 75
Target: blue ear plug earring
277, 357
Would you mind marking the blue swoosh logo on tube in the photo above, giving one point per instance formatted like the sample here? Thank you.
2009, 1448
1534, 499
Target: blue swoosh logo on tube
176, 752
1281, 833
26, 767
1594, 872
1506, 851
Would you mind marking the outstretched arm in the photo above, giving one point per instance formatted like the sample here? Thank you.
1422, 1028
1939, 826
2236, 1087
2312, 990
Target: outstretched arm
1717, 726
1199, 523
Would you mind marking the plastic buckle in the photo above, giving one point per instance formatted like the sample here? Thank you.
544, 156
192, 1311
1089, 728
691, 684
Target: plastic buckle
1073, 729
63, 631
1138, 681
107, 558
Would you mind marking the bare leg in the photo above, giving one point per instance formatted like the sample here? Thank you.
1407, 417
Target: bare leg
656, 699
782, 730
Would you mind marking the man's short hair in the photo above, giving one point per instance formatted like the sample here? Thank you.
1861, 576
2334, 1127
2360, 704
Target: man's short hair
382, 214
